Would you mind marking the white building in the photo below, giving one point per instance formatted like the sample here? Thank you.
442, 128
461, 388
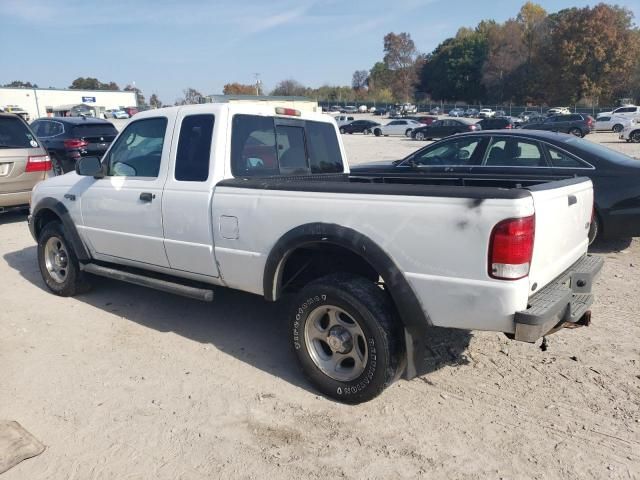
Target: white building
42, 102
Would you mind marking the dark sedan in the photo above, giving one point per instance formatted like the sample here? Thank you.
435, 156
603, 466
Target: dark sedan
497, 123
577, 124
358, 126
507, 158
444, 128
67, 139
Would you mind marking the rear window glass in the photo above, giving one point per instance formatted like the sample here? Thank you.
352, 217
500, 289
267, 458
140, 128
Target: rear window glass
259, 148
600, 151
15, 134
194, 148
95, 129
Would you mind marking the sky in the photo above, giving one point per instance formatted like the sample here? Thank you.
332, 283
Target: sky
166, 46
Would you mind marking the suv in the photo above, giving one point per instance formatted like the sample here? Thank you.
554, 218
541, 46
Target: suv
577, 124
626, 111
631, 132
23, 161
68, 139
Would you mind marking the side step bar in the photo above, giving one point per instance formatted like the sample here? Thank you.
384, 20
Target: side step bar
202, 294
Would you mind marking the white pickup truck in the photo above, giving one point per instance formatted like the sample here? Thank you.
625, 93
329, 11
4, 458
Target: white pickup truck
260, 199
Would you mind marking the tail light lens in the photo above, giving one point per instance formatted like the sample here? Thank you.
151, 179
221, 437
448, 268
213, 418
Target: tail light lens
472, 127
39, 163
509, 126
511, 248
75, 143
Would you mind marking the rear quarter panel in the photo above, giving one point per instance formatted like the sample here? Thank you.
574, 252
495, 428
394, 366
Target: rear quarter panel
440, 245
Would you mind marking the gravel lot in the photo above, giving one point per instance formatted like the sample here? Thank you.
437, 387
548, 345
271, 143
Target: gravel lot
126, 382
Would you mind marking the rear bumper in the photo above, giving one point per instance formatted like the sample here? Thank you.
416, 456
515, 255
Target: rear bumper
565, 300
15, 199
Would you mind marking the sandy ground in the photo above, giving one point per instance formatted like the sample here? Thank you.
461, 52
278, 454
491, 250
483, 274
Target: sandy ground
129, 383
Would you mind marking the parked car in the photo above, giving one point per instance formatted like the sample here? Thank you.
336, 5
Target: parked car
530, 115
558, 111
366, 268
497, 123
626, 111
363, 109
471, 112
379, 112
23, 161
500, 113
67, 139
611, 123
396, 127
349, 109
15, 109
577, 124
444, 128
435, 111
425, 119
131, 111
486, 113
335, 108
526, 157
359, 126
343, 119
372, 110
116, 113
631, 132
456, 112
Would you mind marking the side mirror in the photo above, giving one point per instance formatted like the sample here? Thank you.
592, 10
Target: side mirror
89, 167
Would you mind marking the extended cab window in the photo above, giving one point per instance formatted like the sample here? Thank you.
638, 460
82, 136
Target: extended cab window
137, 152
260, 148
194, 148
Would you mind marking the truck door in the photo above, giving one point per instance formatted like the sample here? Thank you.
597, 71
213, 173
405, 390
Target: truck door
188, 193
122, 217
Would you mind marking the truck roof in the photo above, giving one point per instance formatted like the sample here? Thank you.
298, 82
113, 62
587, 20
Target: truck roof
250, 108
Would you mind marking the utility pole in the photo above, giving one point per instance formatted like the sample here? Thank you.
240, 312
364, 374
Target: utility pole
258, 83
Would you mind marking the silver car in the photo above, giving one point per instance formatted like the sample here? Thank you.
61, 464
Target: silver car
23, 161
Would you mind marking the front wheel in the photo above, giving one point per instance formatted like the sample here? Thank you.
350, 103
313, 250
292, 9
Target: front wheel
377, 132
58, 263
346, 337
635, 136
342, 130
419, 136
617, 128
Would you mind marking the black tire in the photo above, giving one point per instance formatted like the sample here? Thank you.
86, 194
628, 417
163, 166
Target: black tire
635, 136
407, 133
594, 229
73, 280
617, 128
576, 132
56, 165
367, 131
370, 308
419, 136
377, 132
342, 130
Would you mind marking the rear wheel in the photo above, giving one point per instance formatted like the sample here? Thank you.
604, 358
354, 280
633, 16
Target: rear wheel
407, 133
576, 131
635, 136
617, 128
58, 263
594, 229
377, 132
342, 130
346, 337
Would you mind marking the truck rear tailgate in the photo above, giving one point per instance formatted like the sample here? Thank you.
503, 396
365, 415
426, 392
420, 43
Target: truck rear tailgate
563, 215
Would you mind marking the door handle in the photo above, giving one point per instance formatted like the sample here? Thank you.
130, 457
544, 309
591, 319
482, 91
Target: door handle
146, 196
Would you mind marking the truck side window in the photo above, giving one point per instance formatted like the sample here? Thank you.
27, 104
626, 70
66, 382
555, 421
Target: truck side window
138, 150
194, 148
253, 146
323, 148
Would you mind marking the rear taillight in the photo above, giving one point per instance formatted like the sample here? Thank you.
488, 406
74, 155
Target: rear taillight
75, 143
472, 127
511, 248
509, 126
39, 163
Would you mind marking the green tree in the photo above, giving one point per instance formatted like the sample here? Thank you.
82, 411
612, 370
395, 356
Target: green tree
90, 83
289, 87
400, 56
359, 80
154, 101
20, 84
139, 95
